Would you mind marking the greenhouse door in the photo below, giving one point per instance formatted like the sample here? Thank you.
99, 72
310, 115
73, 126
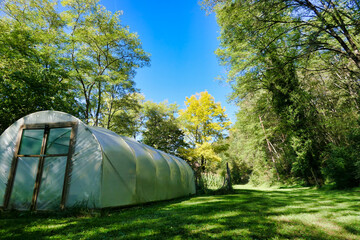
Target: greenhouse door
40, 168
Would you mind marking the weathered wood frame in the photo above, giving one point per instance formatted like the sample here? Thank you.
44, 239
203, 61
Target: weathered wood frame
42, 156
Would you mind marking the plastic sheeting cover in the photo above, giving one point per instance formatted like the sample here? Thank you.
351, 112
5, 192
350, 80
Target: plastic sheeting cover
52, 183
31, 141
58, 141
135, 173
163, 188
85, 177
106, 169
7, 146
24, 183
119, 169
145, 171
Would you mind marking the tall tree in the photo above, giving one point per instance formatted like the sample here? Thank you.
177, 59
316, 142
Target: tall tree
306, 28
102, 53
32, 77
161, 128
204, 122
124, 114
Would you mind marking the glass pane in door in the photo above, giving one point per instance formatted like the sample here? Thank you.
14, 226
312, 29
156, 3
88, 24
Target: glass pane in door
52, 182
58, 141
31, 141
24, 183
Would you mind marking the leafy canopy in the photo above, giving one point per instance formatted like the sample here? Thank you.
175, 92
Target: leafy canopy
294, 66
161, 128
32, 72
204, 122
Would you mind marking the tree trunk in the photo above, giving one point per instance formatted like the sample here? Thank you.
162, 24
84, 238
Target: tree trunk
110, 111
227, 182
98, 106
314, 176
270, 149
202, 166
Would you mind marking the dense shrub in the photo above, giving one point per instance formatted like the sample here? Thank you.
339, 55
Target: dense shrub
341, 164
240, 173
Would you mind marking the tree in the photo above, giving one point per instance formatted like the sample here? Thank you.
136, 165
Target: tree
103, 54
204, 122
122, 113
161, 128
32, 77
327, 26
320, 35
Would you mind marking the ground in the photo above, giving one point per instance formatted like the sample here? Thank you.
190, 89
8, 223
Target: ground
248, 213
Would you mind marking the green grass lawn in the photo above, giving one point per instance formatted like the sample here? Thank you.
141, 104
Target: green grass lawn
249, 213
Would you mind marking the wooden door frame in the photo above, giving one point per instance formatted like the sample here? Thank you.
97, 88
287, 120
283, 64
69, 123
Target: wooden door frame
42, 156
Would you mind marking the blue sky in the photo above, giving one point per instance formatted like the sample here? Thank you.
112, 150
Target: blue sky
181, 39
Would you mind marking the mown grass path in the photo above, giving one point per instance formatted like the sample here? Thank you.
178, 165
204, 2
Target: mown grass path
246, 214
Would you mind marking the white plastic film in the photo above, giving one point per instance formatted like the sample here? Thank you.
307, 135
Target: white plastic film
31, 141
119, 169
58, 141
163, 188
52, 182
175, 176
24, 183
7, 147
145, 173
85, 174
183, 174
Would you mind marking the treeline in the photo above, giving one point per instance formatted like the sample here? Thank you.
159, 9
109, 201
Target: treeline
294, 66
75, 56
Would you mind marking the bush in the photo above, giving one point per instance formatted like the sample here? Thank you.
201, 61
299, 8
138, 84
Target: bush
240, 173
341, 164
212, 180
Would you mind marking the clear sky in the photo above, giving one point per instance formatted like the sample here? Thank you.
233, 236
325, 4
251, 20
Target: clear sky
181, 39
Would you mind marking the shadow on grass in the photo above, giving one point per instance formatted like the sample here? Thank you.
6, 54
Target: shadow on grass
245, 214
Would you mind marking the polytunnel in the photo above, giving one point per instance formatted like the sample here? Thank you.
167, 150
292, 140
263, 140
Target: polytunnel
52, 160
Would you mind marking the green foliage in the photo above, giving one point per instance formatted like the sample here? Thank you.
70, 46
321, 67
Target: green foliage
161, 128
102, 54
341, 164
294, 68
211, 181
32, 77
75, 57
122, 114
240, 173
204, 122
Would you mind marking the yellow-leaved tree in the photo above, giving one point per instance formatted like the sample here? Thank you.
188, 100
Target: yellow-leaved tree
204, 122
